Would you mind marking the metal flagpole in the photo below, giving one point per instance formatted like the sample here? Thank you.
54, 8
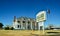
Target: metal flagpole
48, 12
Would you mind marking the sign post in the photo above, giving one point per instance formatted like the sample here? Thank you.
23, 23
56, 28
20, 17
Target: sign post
40, 18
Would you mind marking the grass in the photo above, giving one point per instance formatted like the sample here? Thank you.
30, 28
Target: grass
23, 32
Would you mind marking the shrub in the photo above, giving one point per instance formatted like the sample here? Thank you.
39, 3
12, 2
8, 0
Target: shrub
6, 28
11, 28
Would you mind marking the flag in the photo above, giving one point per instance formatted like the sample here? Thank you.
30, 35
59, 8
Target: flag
14, 18
48, 11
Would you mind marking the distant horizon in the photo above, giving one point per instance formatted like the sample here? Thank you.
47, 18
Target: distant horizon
29, 8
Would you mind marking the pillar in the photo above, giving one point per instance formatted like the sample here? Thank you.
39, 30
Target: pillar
40, 24
43, 27
31, 25
26, 25
35, 26
21, 25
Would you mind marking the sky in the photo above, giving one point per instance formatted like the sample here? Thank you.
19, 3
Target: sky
29, 8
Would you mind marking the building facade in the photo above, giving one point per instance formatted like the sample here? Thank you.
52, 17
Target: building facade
25, 23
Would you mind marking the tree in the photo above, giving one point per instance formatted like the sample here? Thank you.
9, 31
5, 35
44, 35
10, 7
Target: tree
1, 25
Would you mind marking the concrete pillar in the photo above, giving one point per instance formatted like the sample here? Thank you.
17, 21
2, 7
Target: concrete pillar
31, 25
41, 24
43, 27
35, 26
38, 26
21, 25
26, 24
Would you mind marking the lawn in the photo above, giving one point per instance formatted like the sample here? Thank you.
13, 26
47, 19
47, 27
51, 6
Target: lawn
24, 32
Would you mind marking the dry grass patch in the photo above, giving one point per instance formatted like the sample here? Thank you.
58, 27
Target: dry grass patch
23, 32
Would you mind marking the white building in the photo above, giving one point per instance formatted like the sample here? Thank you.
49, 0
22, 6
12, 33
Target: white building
24, 23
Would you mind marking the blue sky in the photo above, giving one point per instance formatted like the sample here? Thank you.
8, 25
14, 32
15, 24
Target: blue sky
29, 8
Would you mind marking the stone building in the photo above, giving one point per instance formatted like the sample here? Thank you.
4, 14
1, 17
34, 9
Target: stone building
25, 23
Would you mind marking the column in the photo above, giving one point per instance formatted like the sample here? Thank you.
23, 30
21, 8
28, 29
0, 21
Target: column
26, 25
43, 26
21, 25
35, 25
38, 25
31, 25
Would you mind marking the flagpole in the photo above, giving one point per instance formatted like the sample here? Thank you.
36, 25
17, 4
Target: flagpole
48, 12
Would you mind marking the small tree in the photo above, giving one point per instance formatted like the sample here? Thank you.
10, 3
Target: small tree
1, 25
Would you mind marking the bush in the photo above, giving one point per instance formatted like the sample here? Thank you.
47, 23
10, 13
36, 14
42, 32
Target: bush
11, 28
6, 28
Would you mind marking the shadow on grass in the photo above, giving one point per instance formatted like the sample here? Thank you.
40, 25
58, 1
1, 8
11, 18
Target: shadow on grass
49, 35
44, 35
